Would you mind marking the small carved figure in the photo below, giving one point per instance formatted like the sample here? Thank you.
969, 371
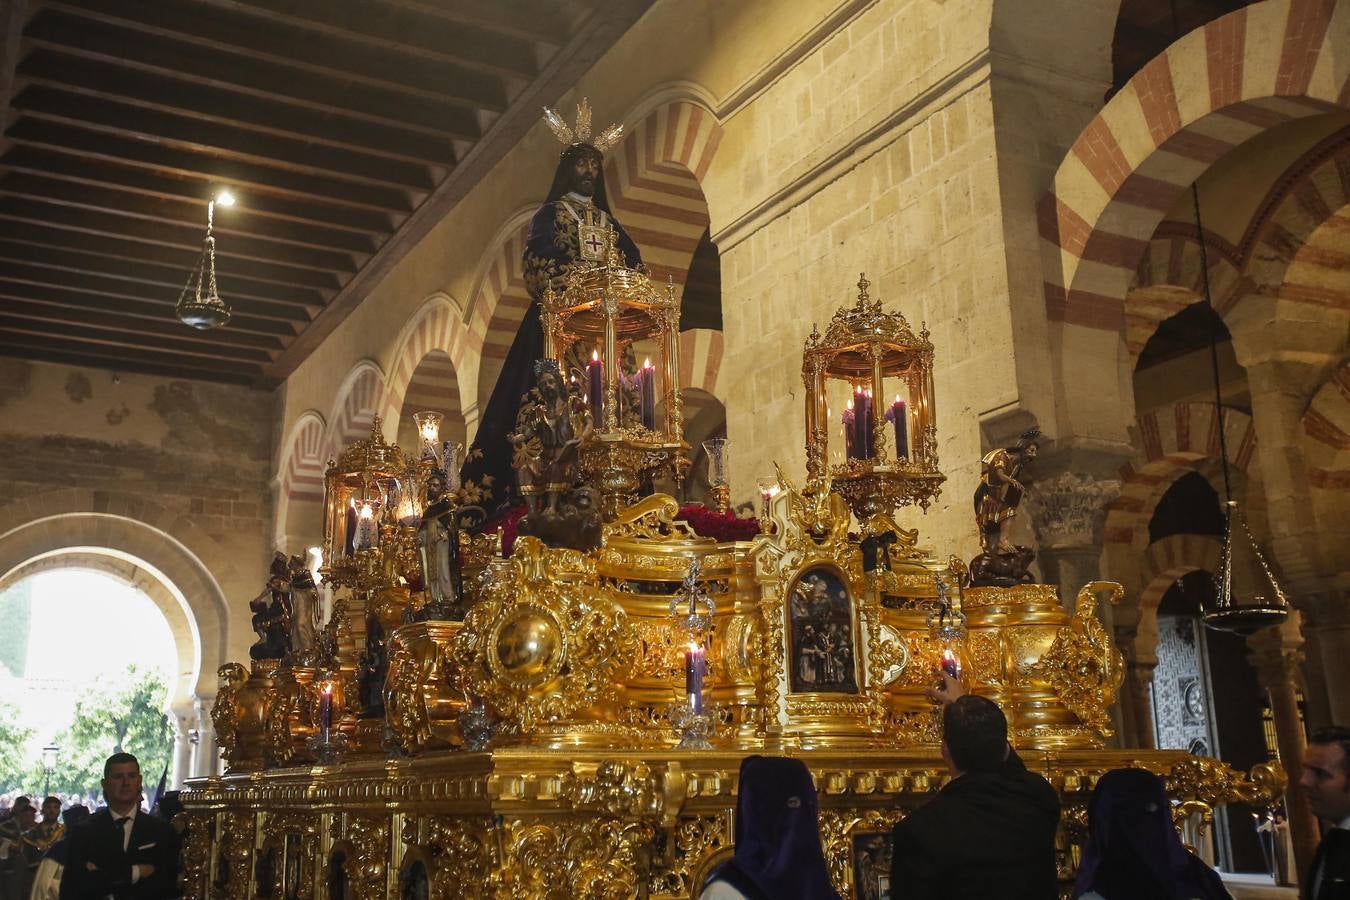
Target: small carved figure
272, 613
1000, 491
305, 611
552, 423
1002, 569
225, 711
440, 561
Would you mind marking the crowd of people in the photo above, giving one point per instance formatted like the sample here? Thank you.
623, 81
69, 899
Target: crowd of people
65, 851
988, 833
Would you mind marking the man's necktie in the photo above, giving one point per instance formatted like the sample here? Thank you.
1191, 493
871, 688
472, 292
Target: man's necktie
122, 827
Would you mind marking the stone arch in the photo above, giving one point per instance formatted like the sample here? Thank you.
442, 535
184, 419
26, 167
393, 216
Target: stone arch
1169, 278
298, 487
79, 520
499, 300
1168, 559
135, 572
700, 358
1179, 114
355, 408
437, 328
1326, 433
1169, 444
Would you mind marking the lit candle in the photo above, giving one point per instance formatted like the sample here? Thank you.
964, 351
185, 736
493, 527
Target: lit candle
348, 544
695, 666
862, 412
596, 389
367, 525
850, 432
429, 434
648, 402
896, 414
326, 711
950, 664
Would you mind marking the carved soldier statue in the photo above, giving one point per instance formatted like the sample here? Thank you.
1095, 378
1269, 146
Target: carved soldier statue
272, 613
996, 500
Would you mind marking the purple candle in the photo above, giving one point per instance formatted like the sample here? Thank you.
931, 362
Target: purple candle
862, 410
326, 711
896, 415
648, 395
695, 666
595, 389
351, 529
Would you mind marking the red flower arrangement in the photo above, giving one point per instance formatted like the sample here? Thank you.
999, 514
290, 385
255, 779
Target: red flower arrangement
721, 527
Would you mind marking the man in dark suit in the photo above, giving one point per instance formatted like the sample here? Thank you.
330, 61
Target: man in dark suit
121, 852
990, 832
1326, 780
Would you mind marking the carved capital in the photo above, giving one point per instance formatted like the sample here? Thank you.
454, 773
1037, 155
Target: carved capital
1068, 510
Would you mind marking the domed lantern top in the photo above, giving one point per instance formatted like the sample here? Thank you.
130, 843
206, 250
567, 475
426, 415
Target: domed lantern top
360, 484
889, 425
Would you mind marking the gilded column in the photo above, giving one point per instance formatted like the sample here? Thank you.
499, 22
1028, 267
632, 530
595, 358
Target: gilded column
1276, 655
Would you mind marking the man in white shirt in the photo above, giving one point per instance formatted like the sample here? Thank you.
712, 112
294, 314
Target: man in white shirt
1326, 781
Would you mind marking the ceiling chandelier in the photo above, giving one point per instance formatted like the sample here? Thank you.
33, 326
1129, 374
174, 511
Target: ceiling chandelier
199, 305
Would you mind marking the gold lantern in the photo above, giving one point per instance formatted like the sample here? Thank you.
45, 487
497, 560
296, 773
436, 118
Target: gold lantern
610, 308
878, 356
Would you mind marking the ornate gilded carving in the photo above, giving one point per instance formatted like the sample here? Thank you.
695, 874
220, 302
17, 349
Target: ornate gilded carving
537, 648
296, 836
1083, 664
234, 856
591, 858
464, 850
369, 839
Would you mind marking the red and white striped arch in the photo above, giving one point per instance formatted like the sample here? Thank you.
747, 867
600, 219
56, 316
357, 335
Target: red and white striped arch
1172, 557
653, 179
434, 357
1215, 88
1326, 433
354, 410
1168, 279
1170, 443
700, 358
303, 462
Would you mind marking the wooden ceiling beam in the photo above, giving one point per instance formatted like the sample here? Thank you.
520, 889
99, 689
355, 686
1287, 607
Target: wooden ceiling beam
174, 61
396, 31
50, 164
139, 342
98, 358
541, 24
41, 239
56, 318
335, 54
331, 251
247, 110
74, 304
138, 272
79, 141
129, 290
217, 141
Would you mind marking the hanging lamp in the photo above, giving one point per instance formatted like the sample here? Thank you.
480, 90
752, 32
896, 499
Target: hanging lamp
199, 305
1266, 606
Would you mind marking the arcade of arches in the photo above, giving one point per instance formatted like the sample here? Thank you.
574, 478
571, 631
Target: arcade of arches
1015, 175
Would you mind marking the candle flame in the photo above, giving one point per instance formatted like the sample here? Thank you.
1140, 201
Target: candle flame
850, 404
366, 511
647, 363
897, 398
694, 647
595, 356
430, 432
328, 688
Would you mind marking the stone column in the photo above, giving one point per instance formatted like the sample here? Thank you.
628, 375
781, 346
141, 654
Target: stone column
206, 760
182, 750
1328, 624
1276, 655
1067, 512
1136, 691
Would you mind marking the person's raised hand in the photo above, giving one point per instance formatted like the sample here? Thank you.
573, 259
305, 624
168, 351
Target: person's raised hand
947, 691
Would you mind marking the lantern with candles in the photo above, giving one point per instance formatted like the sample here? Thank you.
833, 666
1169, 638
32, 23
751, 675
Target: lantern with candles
362, 492
890, 457
639, 418
717, 451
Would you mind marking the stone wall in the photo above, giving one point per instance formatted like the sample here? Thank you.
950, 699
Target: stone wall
179, 457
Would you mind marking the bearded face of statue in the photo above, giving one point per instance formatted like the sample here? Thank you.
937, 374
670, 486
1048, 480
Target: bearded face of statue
549, 385
435, 487
585, 173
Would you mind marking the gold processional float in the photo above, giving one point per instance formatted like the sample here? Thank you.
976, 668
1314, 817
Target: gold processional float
568, 720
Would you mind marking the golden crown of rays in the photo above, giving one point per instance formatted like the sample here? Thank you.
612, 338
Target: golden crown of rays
580, 132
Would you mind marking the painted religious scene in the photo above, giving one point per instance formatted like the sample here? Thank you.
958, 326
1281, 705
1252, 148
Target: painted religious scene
823, 656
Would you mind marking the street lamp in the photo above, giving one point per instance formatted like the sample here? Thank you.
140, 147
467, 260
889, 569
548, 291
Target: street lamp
49, 754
